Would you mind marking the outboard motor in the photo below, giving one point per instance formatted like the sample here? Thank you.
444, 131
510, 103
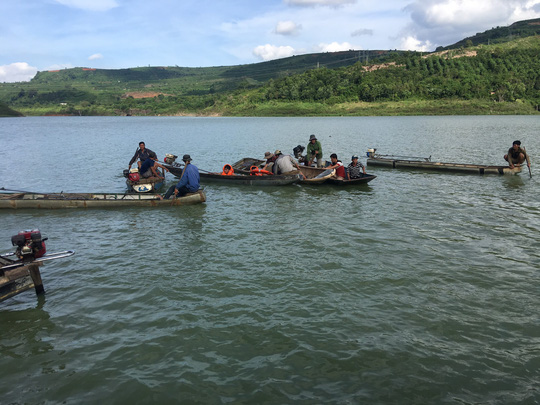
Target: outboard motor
30, 244
298, 150
169, 158
134, 175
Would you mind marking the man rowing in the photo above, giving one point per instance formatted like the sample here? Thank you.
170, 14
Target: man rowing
516, 155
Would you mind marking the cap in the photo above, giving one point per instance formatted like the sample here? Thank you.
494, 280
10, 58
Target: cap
354, 157
311, 137
517, 143
267, 155
186, 158
277, 152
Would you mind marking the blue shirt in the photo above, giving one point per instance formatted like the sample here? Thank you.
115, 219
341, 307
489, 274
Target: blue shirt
190, 179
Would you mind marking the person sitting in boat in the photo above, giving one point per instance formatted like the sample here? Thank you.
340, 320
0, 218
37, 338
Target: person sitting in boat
355, 169
227, 170
270, 160
142, 153
314, 151
338, 165
285, 163
189, 180
149, 169
516, 155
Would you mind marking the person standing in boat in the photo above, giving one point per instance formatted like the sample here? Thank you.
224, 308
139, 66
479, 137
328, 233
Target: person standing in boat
314, 151
338, 165
189, 180
516, 155
355, 169
285, 163
142, 153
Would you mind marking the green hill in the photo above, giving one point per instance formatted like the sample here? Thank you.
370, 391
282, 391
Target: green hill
5, 111
500, 74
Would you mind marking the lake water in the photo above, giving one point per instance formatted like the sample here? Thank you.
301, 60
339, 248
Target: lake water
417, 288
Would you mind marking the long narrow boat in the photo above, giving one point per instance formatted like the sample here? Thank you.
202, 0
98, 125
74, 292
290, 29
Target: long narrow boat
239, 179
397, 162
248, 180
94, 200
366, 178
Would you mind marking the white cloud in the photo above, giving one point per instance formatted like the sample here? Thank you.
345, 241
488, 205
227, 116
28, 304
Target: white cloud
270, 52
90, 5
362, 31
287, 28
315, 3
334, 47
17, 72
95, 56
412, 44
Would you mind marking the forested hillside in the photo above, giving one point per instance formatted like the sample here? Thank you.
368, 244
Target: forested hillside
499, 75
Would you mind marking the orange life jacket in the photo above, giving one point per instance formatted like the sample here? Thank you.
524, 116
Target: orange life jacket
230, 172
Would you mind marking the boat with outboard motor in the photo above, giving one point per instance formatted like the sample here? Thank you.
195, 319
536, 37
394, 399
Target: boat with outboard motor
22, 200
413, 162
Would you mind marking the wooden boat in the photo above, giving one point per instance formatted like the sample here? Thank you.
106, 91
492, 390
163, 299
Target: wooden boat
243, 165
145, 185
366, 178
248, 180
315, 175
398, 162
94, 200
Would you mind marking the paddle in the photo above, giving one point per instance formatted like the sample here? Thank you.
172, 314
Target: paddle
530, 174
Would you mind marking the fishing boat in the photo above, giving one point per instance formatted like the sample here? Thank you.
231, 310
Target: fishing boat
251, 180
137, 184
412, 162
364, 179
315, 175
246, 179
23, 200
244, 165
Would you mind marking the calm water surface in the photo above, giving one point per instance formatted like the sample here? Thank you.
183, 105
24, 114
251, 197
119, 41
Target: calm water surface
417, 288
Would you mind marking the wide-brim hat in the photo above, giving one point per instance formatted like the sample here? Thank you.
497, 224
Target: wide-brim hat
277, 152
186, 158
312, 137
267, 155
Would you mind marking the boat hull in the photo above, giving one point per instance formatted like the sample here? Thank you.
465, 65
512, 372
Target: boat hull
94, 200
441, 166
353, 182
247, 180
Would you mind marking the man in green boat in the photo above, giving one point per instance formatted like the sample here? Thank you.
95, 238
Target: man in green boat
189, 180
314, 151
516, 155
142, 153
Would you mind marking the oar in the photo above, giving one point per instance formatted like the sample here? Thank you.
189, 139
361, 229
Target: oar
530, 174
20, 191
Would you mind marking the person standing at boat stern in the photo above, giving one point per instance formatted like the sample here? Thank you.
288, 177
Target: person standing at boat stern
516, 155
314, 151
189, 180
142, 153
355, 168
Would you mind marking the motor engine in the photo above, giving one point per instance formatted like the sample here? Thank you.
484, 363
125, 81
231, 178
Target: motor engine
30, 244
134, 175
169, 158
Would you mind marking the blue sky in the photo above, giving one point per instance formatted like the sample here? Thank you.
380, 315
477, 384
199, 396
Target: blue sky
37, 35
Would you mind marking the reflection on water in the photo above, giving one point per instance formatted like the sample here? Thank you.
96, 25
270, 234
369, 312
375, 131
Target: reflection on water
417, 288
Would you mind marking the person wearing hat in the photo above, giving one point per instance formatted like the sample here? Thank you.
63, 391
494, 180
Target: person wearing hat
354, 168
142, 153
516, 155
314, 151
270, 160
189, 180
284, 163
